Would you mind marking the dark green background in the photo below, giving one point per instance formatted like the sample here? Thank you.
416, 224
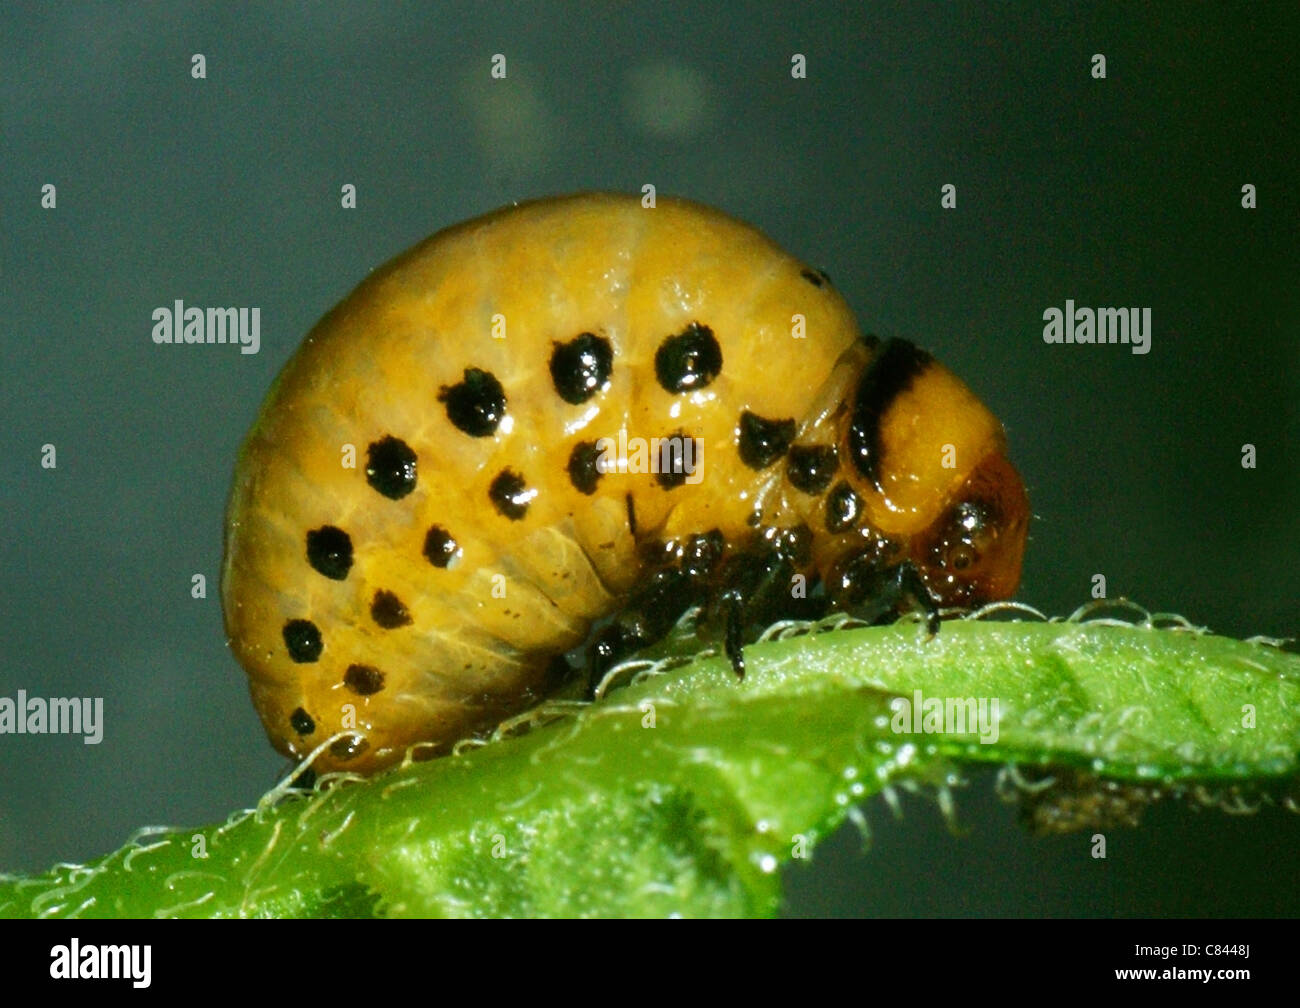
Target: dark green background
226, 191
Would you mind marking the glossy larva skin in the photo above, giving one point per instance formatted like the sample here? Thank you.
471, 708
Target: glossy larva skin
424, 592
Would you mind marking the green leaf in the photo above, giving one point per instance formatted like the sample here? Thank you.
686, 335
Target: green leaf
685, 791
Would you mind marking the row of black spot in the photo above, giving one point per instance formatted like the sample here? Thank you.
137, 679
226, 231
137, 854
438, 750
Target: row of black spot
585, 473
303, 639
581, 368
392, 470
391, 467
762, 442
329, 552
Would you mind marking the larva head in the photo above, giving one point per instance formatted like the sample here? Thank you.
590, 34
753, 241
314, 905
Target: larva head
926, 468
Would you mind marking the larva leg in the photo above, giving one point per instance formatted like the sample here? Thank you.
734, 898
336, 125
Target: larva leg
740, 591
647, 617
877, 594
755, 587
680, 573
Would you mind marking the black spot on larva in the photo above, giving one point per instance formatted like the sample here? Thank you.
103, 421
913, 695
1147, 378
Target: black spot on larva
390, 467
348, 747
631, 514
817, 278
440, 549
811, 468
329, 551
763, 441
581, 367
688, 361
301, 722
387, 610
842, 508
363, 680
890, 373
477, 404
583, 472
677, 457
510, 495
303, 640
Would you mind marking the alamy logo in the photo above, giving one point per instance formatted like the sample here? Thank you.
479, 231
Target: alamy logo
75, 961
25, 715
179, 324
678, 455
924, 715
1102, 325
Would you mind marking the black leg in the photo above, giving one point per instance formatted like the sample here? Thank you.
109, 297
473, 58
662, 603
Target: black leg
913, 596
754, 588
733, 633
746, 588
647, 617
881, 594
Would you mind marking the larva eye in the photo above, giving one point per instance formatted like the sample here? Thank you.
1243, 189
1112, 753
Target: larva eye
968, 535
962, 557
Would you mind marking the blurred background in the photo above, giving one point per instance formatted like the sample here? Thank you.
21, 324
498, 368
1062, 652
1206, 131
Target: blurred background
1125, 191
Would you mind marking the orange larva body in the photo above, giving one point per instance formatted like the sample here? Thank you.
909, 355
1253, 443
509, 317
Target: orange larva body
420, 593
